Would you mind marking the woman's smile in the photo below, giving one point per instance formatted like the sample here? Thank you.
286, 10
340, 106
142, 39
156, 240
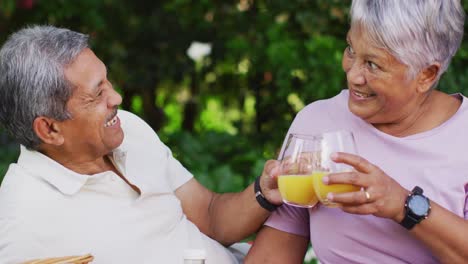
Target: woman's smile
361, 95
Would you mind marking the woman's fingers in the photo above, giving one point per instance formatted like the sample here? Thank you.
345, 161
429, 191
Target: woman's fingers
351, 177
363, 209
358, 162
352, 198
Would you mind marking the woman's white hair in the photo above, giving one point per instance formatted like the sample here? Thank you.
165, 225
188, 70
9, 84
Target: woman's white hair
417, 32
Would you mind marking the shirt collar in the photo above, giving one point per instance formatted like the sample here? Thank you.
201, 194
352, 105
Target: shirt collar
65, 180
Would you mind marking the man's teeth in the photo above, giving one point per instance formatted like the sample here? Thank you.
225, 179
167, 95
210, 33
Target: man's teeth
363, 95
111, 122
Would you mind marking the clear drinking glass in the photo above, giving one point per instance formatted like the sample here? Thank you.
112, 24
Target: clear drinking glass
324, 145
295, 182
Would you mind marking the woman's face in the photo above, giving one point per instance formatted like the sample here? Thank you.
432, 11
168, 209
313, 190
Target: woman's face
380, 91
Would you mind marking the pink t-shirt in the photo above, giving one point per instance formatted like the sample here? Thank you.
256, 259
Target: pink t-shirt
435, 160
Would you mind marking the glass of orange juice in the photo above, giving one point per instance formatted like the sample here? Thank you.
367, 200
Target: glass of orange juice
325, 144
295, 182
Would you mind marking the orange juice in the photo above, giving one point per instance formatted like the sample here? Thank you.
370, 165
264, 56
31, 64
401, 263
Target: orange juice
322, 190
297, 190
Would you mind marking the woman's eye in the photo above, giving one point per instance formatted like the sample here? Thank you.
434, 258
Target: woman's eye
350, 50
372, 65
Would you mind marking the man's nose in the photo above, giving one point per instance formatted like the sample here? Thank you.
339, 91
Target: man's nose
115, 99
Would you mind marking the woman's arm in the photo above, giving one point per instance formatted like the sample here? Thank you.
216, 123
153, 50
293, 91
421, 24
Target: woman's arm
274, 246
443, 232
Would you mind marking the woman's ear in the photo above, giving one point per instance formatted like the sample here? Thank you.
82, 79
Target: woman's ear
428, 76
48, 130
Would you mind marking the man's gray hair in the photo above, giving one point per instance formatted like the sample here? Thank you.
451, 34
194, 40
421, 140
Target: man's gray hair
32, 78
417, 32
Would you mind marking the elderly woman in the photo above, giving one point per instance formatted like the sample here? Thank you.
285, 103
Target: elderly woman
412, 144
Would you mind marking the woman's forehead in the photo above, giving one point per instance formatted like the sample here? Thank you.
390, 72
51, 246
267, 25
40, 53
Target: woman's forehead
362, 42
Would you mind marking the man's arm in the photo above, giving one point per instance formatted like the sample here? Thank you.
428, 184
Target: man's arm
229, 217
274, 246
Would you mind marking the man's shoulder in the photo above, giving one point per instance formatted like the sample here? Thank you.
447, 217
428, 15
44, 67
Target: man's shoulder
20, 191
129, 117
140, 142
131, 122
136, 130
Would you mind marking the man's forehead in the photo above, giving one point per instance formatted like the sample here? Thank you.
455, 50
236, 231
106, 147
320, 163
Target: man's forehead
86, 69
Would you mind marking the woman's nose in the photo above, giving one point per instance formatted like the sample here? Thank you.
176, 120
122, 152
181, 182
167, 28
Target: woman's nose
355, 74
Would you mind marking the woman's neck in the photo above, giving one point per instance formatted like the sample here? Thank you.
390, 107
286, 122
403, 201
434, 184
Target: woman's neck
435, 109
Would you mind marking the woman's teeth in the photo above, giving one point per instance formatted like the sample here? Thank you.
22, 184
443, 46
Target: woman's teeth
363, 95
111, 122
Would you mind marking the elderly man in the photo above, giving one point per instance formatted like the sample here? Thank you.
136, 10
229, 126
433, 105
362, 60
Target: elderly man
94, 179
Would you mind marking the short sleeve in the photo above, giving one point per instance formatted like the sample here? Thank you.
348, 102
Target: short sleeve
149, 164
466, 201
177, 173
291, 220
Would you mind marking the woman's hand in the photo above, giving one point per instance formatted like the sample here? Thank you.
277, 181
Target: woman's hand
381, 195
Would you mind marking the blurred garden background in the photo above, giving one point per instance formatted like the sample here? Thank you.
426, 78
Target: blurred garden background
220, 81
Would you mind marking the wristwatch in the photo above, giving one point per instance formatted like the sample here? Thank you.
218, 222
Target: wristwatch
262, 201
417, 208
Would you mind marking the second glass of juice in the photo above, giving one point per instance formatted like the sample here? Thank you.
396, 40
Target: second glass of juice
296, 182
326, 144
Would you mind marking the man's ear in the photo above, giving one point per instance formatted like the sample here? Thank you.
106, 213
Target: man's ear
48, 130
427, 77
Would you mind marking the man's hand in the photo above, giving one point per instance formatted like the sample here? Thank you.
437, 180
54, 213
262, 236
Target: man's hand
269, 182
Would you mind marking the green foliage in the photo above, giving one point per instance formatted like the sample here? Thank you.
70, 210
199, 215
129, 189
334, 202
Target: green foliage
224, 115
269, 59
9, 152
221, 162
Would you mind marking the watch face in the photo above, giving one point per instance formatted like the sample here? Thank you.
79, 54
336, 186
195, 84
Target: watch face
418, 205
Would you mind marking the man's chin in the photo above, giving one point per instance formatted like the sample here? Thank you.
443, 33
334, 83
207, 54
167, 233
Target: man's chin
116, 143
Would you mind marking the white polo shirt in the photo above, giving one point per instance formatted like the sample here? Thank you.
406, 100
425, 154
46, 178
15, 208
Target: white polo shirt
47, 210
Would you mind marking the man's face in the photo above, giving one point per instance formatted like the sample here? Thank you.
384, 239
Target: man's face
94, 129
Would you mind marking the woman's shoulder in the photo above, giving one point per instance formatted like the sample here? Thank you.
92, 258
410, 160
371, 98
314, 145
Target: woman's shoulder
332, 106
327, 114
455, 107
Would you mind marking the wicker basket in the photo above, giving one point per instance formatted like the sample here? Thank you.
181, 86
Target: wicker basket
64, 260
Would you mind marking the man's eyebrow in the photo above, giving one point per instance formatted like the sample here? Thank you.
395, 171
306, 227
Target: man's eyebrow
95, 87
100, 82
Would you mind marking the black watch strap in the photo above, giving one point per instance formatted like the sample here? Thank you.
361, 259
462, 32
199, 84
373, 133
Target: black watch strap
261, 198
409, 222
